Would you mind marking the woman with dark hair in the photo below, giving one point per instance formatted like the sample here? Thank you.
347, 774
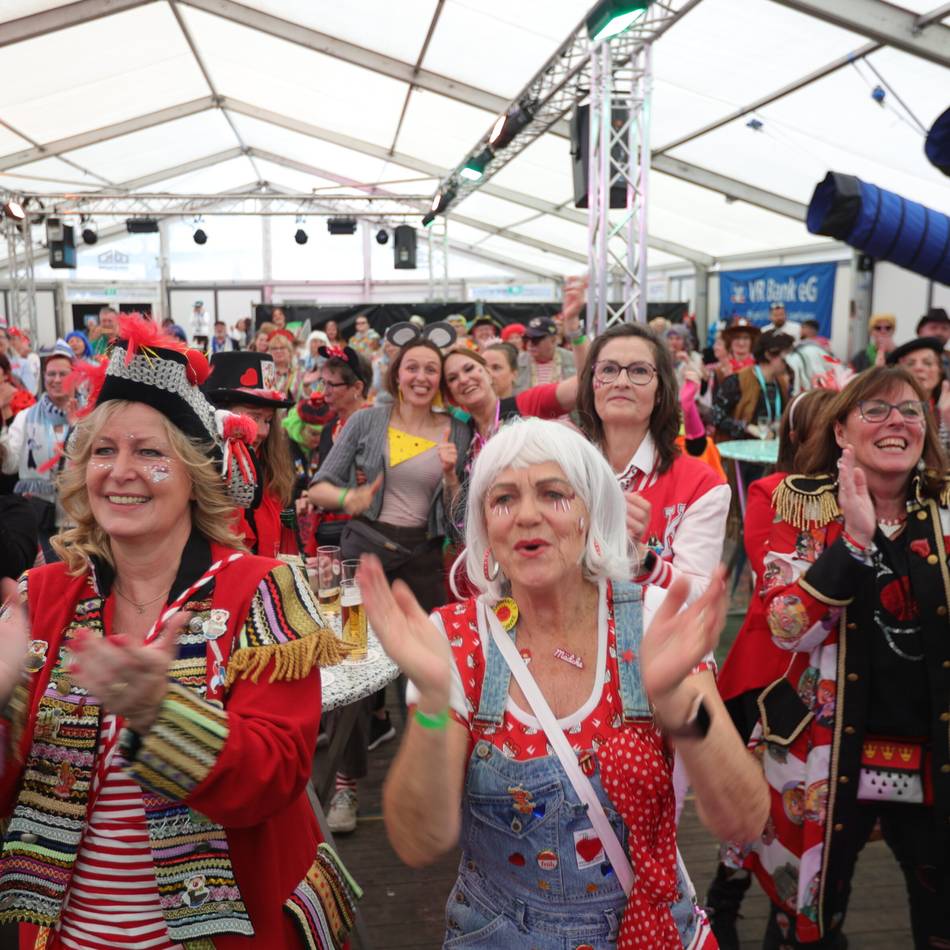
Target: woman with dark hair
676, 505
332, 329
748, 404
856, 593
923, 358
245, 382
389, 470
501, 360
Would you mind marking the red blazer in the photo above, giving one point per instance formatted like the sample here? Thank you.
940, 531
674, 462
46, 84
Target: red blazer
754, 660
256, 787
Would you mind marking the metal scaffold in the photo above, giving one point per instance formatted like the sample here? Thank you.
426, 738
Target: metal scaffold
618, 160
22, 285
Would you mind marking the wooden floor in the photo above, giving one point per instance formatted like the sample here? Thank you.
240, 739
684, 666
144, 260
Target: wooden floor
403, 908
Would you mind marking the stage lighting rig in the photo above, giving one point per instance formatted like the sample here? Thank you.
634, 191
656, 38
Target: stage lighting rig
510, 123
475, 167
382, 236
300, 236
341, 225
611, 17
90, 233
14, 210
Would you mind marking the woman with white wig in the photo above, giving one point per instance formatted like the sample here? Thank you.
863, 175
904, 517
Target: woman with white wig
543, 717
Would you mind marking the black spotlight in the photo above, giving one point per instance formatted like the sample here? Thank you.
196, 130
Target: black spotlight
300, 236
89, 235
382, 236
199, 236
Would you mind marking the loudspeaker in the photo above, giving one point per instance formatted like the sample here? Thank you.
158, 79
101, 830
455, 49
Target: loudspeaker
580, 143
62, 246
404, 247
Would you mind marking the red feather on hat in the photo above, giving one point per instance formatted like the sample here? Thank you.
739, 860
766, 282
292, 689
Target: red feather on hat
142, 333
198, 367
89, 377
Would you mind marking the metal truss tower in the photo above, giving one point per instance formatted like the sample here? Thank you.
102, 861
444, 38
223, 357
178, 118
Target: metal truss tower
22, 285
618, 160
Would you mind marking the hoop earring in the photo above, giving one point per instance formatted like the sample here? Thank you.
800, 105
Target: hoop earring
490, 566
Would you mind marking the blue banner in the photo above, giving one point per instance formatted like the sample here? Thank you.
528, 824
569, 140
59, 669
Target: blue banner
806, 290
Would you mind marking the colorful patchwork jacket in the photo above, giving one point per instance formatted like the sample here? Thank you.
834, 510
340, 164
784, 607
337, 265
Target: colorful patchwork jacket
224, 780
820, 605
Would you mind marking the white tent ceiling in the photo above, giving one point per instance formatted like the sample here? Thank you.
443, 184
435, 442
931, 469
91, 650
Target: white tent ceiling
203, 96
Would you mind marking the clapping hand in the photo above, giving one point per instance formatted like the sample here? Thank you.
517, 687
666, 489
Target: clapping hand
860, 518
676, 642
130, 679
408, 636
575, 296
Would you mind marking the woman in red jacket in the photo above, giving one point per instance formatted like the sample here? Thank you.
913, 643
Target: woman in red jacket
159, 736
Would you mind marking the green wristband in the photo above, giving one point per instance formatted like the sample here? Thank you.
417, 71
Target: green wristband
342, 499
431, 722
580, 340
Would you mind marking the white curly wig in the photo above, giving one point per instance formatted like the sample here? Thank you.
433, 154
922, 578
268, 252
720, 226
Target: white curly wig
608, 554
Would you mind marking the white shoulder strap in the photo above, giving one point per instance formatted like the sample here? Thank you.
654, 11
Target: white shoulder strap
585, 791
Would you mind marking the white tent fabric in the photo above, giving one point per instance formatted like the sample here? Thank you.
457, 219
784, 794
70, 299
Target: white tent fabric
193, 96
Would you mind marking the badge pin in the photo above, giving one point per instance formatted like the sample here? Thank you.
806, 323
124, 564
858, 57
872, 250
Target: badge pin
521, 799
547, 860
195, 625
36, 655
216, 625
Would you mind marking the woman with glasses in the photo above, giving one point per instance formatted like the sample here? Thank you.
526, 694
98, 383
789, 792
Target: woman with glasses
676, 506
856, 590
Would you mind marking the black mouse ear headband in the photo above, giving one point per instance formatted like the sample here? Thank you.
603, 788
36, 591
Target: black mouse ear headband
348, 355
441, 334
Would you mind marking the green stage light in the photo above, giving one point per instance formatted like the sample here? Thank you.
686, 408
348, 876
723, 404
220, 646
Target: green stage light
611, 17
474, 168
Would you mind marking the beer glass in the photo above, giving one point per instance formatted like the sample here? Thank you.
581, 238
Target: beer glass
350, 567
354, 619
328, 579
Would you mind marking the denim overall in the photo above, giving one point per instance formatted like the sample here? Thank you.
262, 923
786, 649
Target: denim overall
519, 885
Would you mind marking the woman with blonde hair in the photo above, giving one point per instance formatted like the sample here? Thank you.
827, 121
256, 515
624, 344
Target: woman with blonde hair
159, 736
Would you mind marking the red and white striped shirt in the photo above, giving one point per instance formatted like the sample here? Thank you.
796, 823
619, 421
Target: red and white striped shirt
113, 899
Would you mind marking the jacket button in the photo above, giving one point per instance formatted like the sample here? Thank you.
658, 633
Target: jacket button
843, 780
932, 559
921, 515
482, 750
28, 837
852, 677
839, 827
852, 626
849, 730
941, 611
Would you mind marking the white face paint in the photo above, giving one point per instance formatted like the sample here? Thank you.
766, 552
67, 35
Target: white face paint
157, 473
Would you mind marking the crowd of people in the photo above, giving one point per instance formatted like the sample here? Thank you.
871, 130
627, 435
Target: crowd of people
540, 519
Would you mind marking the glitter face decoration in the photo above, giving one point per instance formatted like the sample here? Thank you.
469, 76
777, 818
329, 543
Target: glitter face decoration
157, 472
563, 504
500, 507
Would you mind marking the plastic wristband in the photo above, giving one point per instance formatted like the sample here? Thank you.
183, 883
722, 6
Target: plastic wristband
431, 722
579, 340
342, 498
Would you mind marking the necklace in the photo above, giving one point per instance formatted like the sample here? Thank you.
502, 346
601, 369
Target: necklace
139, 607
506, 610
892, 522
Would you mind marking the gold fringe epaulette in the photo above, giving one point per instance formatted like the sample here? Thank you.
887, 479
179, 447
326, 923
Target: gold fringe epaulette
292, 661
806, 501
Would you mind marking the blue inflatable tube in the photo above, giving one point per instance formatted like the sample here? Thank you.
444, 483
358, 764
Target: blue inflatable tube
937, 146
882, 225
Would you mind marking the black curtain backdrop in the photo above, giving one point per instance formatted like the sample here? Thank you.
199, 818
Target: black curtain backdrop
382, 316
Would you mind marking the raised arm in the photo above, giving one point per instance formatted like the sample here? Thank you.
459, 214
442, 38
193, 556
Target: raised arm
422, 794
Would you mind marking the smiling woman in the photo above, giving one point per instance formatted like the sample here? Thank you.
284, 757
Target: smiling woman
164, 687
856, 592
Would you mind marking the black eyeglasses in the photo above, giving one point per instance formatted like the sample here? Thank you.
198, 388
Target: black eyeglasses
877, 410
640, 374
326, 385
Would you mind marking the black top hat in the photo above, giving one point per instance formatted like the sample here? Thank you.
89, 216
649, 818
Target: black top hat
243, 377
933, 315
911, 346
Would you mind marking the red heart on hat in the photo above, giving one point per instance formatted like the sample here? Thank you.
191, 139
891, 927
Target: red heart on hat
588, 848
921, 546
249, 377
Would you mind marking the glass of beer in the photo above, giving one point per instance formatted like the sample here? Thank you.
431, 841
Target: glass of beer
328, 579
350, 567
354, 619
